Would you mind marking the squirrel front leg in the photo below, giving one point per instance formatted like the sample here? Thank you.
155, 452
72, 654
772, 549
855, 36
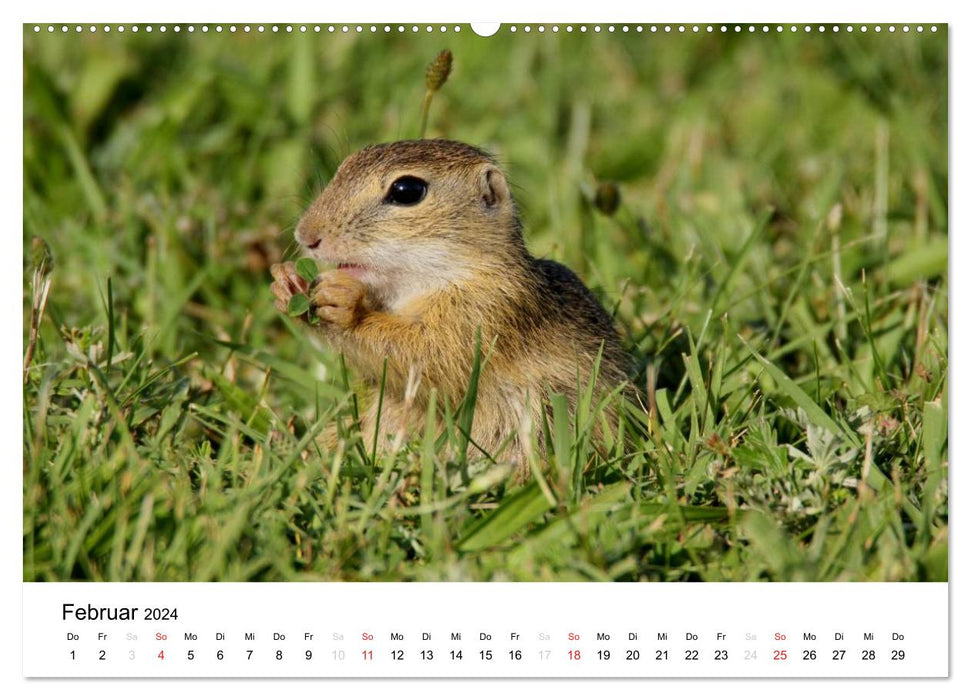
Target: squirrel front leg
429, 343
348, 316
286, 283
338, 301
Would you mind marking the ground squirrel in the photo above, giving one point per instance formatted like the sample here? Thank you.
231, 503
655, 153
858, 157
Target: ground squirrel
427, 251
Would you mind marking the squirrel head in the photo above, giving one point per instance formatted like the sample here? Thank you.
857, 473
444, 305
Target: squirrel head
413, 216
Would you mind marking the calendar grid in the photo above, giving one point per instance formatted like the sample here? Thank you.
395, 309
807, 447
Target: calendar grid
479, 630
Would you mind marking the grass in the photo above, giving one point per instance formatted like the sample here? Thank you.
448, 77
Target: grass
778, 264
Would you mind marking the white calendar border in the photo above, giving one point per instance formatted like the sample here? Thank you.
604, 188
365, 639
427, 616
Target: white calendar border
507, 10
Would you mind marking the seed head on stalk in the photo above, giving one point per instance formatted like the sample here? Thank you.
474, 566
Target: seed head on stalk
607, 198
436, 74
43, 263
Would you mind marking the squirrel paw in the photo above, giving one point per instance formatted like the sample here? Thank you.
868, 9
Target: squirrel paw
286, 283
339, 299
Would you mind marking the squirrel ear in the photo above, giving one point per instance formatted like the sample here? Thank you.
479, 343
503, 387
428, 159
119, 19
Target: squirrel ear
492, 186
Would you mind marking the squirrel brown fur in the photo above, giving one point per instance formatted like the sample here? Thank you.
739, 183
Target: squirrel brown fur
417, 282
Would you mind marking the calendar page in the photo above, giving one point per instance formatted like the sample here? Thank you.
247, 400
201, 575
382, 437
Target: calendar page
515, 350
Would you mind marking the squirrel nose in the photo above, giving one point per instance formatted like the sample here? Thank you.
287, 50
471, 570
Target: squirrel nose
305, 238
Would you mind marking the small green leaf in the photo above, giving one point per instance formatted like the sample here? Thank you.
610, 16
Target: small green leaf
307, 269
299, 305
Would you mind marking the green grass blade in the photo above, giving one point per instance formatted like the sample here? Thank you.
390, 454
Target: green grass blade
788, 387
514, 513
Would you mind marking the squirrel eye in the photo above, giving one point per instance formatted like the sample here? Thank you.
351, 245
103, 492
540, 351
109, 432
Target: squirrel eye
407, 190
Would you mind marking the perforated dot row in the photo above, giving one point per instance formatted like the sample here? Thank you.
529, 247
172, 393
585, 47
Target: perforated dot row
246, 28
414, 28
724, 28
